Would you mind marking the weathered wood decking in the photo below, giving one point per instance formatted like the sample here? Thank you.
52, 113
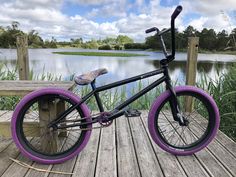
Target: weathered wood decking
125, 150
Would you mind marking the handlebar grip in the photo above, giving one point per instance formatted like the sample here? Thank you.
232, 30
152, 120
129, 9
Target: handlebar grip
151, 30
176, 12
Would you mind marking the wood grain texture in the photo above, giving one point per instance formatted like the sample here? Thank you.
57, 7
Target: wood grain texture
106, 162
126, 149
127, 160
21, 88
148, 163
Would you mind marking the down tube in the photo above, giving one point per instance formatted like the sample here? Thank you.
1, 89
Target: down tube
141, 93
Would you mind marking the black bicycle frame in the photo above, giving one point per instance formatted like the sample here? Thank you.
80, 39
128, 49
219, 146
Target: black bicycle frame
117, 112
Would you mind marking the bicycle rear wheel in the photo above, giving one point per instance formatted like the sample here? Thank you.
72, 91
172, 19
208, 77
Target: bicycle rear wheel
202, 116
39, 142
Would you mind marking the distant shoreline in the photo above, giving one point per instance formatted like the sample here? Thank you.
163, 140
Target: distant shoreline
103, 54
151, 50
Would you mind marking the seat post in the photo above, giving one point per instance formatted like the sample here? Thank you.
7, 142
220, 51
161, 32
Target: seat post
96, 94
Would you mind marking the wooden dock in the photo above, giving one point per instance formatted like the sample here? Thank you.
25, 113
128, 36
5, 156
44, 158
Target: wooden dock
125, 149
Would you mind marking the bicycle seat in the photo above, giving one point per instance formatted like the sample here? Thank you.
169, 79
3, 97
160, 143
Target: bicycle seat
89, 77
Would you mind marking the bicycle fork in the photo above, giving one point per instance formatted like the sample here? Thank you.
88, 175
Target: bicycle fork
174, 103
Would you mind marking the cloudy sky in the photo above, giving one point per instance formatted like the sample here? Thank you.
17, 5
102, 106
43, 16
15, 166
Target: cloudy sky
65, 19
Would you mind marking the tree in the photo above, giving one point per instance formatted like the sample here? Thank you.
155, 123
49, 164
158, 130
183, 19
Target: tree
189, 31
232, 37
222, 40
8, 36
153, 42
121, 40
109, 41
208, 39
34, 40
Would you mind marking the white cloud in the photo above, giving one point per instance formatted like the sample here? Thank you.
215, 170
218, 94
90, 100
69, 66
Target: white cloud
91, 2
210, 13
46, 17
111, 9
198, 23
208, 7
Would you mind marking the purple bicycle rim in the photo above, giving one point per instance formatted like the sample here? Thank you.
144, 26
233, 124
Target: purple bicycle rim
159, 101
41, 92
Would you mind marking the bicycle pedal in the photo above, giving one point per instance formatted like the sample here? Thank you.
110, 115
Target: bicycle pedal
132, 113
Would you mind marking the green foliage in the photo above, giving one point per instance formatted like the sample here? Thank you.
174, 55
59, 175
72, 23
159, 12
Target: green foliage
90, 44
118, 47
141, 46
50, 44
34, 40
224, 93
121, 40
105, 54
208, 39
8, 36
105, 47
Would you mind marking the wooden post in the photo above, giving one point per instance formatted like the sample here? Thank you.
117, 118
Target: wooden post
191, 70
48, 138
22, 57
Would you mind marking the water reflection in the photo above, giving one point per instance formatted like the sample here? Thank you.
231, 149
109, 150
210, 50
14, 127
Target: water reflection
43, 60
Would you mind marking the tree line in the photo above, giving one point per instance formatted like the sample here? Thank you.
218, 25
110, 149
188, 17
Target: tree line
209, 40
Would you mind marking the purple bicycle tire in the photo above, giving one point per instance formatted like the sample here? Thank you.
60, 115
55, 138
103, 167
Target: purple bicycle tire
42, 92
157, 103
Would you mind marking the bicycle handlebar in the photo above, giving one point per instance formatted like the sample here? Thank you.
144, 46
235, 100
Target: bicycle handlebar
176, 12
152, 29
174, 15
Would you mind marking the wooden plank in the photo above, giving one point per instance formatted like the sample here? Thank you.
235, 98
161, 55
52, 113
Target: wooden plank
171, 165
223, 156
86, 162
5, 162
5, 115
15, 170
207, 160
205, 157
35, 84
22, 56
30, 82
17, 88
33, 173
127, 160
148, 163
106, 162
67, 167
223, 139
226, 142
31, 129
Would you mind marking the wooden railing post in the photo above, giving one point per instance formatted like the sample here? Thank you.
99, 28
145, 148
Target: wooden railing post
191, 70
22, 57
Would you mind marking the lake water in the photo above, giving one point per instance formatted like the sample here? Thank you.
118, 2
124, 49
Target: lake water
43, 60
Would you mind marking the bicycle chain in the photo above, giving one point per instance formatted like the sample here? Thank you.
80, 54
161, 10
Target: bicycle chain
103, 124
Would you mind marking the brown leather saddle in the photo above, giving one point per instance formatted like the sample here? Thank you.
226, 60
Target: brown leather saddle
89, 77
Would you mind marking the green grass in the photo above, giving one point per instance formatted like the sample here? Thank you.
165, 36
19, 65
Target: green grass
101, 54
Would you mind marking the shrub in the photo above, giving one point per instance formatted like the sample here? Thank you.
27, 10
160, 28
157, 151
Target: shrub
105, 47
141, 46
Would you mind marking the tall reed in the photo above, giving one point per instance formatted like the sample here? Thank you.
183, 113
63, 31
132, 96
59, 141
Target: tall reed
223, 91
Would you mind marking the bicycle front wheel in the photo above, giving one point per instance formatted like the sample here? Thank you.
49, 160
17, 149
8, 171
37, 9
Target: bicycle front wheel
32, 134
202, 121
